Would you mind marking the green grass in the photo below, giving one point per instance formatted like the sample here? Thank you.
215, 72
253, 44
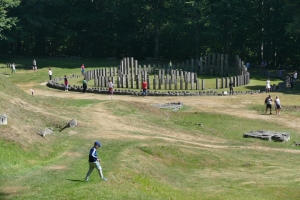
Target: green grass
147, 153
61, 67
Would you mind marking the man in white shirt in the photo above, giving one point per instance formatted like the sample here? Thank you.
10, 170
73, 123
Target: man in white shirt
50, 74
34, 65
13, 68
295, 76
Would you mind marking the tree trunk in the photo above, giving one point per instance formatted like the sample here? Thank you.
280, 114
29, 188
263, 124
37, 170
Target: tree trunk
227, 40
156, 39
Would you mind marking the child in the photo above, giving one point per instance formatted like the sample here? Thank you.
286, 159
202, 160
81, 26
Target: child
110, 86
94, 162
144, 87
82, 69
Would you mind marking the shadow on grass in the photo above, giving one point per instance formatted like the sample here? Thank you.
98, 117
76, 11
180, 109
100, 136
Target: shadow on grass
75, 180
25, 63
255, 87
4, 195
63, 128
295, 90
264, 78
291, 91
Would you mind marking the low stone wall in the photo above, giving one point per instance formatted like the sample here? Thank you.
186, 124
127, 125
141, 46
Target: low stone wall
153, 92
54, 84
132, 78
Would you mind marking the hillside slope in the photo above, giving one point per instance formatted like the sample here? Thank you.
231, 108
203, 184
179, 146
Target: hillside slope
147, 153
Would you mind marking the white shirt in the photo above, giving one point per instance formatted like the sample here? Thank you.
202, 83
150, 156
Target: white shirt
277, 101
13, 66
50, 73
34, 62
110, 85
295, 75
268, 84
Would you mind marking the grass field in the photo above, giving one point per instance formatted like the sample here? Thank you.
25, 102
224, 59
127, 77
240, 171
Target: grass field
147, 153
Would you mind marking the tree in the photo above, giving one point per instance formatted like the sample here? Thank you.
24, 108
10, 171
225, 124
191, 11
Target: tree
294, 10
7, 22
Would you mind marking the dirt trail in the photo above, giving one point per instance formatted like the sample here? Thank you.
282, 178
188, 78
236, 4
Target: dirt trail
232, 105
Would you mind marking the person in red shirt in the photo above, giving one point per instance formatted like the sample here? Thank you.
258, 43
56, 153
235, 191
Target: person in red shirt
144, 87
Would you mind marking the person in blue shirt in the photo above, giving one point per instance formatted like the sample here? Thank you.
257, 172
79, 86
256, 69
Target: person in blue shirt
94, 162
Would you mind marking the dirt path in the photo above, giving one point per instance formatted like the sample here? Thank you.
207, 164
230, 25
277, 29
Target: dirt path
233, 105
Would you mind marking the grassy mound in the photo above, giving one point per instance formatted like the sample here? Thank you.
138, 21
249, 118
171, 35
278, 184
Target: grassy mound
147, 153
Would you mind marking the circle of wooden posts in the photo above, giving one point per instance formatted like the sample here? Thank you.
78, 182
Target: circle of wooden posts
182, 76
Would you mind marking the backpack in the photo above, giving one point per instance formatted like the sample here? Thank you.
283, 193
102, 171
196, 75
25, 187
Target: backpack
266, 100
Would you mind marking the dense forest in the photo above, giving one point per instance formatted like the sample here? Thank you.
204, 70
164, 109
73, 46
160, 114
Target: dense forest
165, 29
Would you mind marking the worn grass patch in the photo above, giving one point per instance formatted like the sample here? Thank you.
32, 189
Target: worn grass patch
147, 153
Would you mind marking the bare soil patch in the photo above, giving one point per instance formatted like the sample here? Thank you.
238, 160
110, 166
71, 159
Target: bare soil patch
115, 127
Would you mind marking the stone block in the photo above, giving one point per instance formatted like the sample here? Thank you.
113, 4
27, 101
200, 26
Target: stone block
3, 119
268, 135
45, 132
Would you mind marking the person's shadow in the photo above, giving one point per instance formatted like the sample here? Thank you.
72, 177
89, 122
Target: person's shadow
74, 180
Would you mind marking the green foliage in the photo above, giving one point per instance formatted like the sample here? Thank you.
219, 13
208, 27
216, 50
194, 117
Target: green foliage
167, 29
5, 21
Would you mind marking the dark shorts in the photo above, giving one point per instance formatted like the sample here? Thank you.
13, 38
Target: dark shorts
269, 105
278, 106
110, 90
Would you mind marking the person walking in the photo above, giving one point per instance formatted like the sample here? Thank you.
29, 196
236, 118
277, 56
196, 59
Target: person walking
292, 81
13, 68
277, 105
279, 71
94, 162
170, 65
295, 76
199, 65
84, 85
82, 69
268, 102
231, 87
34, 65
50, 74
144, 87
268, 86
110, 86
264, 65
66, 83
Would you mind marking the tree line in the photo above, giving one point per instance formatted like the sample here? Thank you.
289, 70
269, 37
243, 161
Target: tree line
257, 30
